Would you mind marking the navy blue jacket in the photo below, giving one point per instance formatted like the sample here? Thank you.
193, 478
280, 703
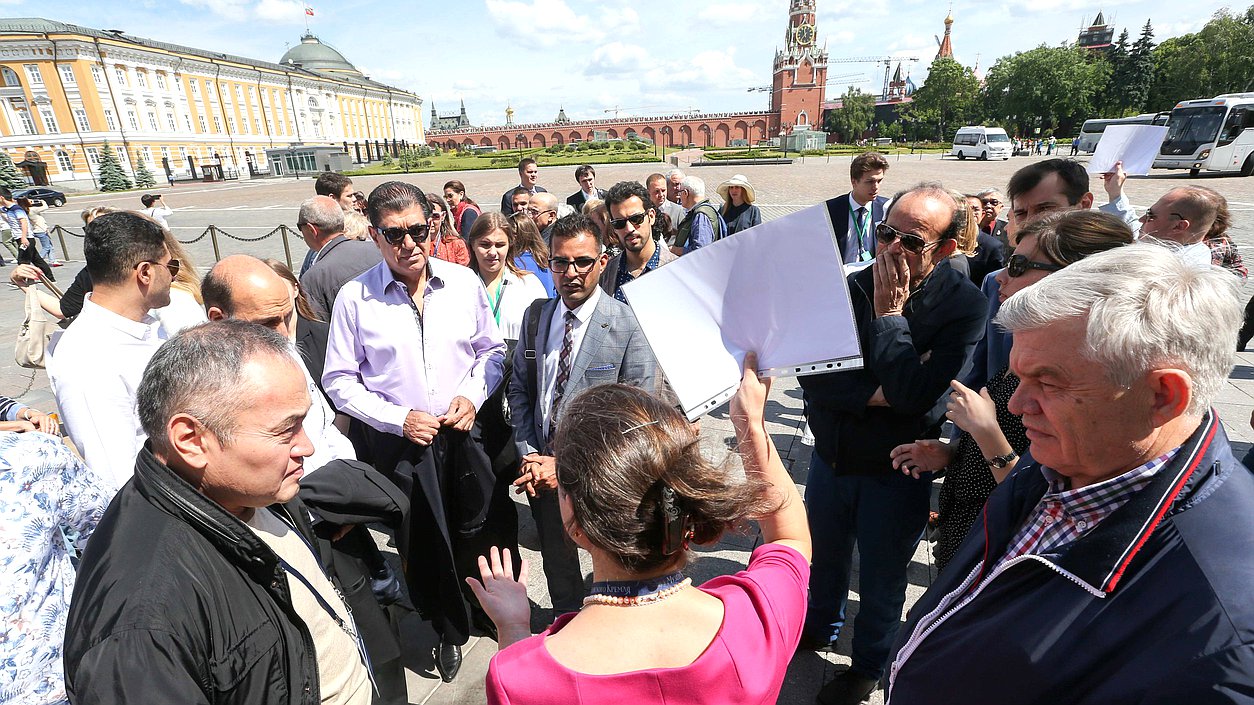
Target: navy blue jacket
1154, 605
913, 357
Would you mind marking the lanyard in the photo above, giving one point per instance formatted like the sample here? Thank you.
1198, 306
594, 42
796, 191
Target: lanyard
496, 305
348, 626
861, 226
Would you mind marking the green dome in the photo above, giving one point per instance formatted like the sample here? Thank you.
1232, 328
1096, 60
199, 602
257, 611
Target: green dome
314, 55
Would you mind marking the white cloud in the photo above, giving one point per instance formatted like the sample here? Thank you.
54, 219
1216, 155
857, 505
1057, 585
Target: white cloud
281, 11
544, 22
736, 13
615, 59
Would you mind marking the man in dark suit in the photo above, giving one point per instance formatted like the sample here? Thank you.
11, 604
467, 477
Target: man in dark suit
991, 221
855, 214
528, 175
586, 176
568, 344
337, 259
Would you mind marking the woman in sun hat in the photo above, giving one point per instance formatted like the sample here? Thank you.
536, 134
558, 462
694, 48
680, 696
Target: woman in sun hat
738, 209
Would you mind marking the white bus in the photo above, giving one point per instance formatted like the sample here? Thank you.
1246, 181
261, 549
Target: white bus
1091, 131
1211, 135
981, 142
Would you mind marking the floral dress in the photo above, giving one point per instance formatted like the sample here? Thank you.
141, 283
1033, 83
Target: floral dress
968, 479
45, 493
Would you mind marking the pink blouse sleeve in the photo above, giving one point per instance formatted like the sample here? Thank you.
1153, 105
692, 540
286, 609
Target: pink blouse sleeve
782, 576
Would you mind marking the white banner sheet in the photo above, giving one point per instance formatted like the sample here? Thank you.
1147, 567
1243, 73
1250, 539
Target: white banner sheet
778, 289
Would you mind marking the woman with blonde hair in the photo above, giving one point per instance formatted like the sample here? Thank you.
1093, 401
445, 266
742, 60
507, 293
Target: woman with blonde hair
984, 252
738, 210
187, 307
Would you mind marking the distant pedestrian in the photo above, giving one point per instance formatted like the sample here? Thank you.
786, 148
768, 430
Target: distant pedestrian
738, 210
465, 210
156, 208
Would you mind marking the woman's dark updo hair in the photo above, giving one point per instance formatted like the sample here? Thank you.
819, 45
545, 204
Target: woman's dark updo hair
617, 447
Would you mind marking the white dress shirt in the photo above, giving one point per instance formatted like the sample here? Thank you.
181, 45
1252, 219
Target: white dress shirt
869, 221
95, 367
329, 444
553, 347
518, 293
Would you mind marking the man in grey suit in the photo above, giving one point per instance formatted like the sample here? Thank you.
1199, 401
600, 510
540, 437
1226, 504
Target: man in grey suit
581, 339
337, 259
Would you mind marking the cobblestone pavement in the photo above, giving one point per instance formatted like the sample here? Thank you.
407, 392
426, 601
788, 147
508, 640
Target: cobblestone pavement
250, 209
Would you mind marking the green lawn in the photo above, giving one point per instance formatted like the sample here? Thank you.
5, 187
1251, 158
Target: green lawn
450, 161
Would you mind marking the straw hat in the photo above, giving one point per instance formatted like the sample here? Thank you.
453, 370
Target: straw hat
742, 182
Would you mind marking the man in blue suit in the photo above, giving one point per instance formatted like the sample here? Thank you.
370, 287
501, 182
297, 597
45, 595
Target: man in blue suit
855, 214
568, 344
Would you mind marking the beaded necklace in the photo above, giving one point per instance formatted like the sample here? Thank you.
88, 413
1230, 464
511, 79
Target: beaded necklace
633, 593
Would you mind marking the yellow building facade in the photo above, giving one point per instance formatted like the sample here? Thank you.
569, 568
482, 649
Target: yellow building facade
66, 90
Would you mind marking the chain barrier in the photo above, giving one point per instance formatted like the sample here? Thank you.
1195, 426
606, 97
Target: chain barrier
61, 230
249, 239
211, 232
194, 240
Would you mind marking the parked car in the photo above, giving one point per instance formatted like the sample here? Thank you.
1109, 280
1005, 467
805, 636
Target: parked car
981, 142
42, 193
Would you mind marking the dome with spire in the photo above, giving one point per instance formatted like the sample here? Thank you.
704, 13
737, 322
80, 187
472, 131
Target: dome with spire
313, 55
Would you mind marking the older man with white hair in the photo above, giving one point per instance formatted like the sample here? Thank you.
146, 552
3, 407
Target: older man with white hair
702, 225
1115, 565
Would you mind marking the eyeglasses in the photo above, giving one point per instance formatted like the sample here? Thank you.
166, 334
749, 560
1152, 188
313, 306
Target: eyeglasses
533, 212
1151, 216
436, 215
636, 220
914, 244
1018, 265
396, 236
582, 265
990, 201
173, 265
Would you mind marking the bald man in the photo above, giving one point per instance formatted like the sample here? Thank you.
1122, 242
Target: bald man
336, 259
542, 207
342, 490
1184, 216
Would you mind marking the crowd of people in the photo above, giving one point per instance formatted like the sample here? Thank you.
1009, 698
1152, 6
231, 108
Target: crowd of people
241, 433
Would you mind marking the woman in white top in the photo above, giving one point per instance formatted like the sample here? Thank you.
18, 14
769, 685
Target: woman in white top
186, 308
510, 289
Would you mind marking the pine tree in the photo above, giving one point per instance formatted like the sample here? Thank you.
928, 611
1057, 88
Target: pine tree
1120, 63
1140, 69
10, 176
112, 178
144, 177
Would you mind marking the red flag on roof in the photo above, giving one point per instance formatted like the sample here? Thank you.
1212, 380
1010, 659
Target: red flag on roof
309, 11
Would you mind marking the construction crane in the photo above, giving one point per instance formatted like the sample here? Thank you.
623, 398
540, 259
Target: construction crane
619, 109
886, 60
831, 80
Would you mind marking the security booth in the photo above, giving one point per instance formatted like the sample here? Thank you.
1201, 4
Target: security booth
307, 160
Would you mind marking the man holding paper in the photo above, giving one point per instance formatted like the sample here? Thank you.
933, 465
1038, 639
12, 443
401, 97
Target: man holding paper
918, 320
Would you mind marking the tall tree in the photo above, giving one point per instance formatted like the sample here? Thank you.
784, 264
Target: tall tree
855, 116
952, 92
1140, 72
1214, 60
112, 177
10, 177
1049, 88
1113, 101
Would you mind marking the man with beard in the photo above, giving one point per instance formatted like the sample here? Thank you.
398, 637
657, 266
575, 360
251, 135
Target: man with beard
631, 220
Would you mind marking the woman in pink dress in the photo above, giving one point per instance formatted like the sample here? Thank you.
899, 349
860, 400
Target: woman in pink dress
634, 492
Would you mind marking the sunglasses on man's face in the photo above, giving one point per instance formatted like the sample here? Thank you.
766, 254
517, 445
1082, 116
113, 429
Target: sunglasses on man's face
1018, 265
396, 236
636, 220
173, 265
914, 244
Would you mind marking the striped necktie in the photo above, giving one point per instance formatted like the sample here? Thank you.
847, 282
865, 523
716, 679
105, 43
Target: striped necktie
563, 373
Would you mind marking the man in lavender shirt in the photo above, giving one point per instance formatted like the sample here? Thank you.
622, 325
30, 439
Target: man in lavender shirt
413, 352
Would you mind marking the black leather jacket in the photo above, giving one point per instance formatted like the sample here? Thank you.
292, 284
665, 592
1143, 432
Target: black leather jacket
177, 601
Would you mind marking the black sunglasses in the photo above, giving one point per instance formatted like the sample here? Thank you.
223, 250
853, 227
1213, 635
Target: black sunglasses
396, 236
910, 242
1018, 265
582, 264
636, 220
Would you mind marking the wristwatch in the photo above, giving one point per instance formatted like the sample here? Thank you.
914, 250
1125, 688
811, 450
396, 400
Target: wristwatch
1001, 461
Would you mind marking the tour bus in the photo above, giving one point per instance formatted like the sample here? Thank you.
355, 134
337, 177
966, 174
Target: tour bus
981, 142
1091, 131
1210, 135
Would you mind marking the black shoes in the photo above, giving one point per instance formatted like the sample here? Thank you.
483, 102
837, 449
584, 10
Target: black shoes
448, 660
811, 643
848, 688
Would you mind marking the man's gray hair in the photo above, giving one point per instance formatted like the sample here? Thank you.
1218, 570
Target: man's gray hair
323, 212
199, 372
695, 185
1145, 309
675, 173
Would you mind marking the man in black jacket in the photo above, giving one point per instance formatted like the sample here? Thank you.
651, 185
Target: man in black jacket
918, 320
202, 584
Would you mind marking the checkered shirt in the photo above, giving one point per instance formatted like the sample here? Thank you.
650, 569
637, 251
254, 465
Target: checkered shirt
1064, 515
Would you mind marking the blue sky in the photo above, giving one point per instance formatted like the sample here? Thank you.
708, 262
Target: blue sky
648, 57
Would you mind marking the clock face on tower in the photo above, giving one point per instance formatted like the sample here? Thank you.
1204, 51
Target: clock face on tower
805, 35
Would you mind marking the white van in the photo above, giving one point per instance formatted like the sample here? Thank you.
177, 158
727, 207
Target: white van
982, 143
